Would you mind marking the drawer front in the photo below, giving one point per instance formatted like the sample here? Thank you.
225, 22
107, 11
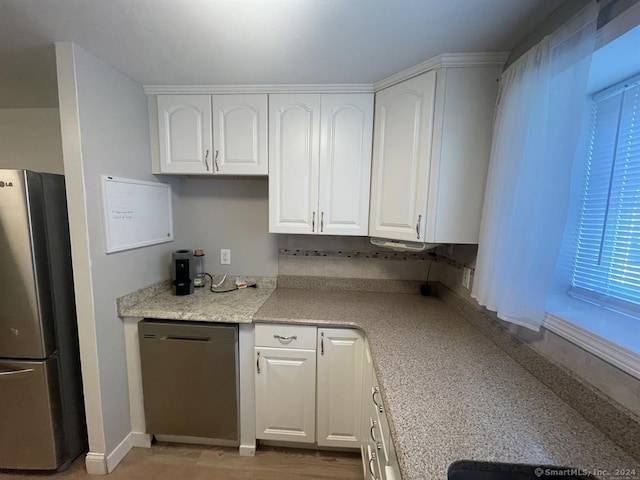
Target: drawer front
373, 466
392, 469
30, 406
383, 435
381, 427
285, 336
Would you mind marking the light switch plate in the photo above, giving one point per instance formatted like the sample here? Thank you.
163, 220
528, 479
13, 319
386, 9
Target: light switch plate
225, 256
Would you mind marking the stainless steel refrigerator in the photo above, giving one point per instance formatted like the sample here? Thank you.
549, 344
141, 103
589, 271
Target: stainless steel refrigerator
42, 422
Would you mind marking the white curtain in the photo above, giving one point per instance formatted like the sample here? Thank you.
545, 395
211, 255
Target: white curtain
538, 121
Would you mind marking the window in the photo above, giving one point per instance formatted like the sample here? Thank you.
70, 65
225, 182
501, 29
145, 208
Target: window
606, 267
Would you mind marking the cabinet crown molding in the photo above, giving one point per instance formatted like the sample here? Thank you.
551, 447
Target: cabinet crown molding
265, 88
446, 60
450, 60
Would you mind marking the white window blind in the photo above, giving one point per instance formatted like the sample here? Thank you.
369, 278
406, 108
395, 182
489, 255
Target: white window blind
607, 262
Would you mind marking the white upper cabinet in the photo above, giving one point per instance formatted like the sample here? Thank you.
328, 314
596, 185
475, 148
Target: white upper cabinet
345, 163
430, 156
212, 134
402, 144
240, 134
294, 141
319, 163
463, 131
184, 130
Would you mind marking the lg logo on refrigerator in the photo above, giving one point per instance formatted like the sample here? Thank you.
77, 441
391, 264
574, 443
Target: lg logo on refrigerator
5, 184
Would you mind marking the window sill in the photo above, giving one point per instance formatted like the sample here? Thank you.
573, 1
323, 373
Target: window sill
612, 336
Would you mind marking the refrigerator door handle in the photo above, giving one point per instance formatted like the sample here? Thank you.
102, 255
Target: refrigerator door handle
15, 372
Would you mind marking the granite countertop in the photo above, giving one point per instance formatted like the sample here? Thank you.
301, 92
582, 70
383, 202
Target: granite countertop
159, 301
450, 393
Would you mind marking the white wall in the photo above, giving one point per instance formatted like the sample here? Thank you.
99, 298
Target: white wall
30, 139
105, 130
228, 213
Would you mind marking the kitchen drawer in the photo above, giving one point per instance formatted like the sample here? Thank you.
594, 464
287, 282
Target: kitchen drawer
285, 336
384, 436
384, 439
391, 470
373, 466
381, 433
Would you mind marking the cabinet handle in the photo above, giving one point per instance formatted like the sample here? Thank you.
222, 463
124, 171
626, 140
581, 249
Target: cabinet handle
206, 160
373, 437
258, 363
285, 339
215, 160
322, 343
373, 397
321, 222
313, 222
418, 226
372, 459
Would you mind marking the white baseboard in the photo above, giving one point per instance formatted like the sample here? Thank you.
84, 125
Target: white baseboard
101, 464
141, 439
197, 440
118, 453
247, 450
96, 463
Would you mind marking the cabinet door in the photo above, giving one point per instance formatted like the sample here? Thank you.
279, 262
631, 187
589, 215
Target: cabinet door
294, 133
401, 156
240, 134
463, 130
285, 394
184, 131
339, 387
345, 163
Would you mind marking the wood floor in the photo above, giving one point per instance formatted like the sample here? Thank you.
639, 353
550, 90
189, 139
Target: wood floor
192, 462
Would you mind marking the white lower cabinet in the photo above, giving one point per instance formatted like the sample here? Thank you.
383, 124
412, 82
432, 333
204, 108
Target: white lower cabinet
372, 464
339, 386
379, 461
318, 385
367, 445
285, 394
295, 402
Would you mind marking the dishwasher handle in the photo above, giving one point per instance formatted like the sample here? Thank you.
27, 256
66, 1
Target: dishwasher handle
182, 338
7, 373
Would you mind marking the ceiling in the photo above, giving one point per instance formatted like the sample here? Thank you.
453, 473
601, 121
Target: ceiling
249, 41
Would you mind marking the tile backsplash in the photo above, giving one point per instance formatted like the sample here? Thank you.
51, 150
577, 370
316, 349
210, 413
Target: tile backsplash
348, 257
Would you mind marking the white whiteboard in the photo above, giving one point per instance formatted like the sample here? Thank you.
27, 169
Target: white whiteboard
136, 213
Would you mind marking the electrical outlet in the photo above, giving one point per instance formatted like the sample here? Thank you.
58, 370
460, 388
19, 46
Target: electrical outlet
225, 256
466, 278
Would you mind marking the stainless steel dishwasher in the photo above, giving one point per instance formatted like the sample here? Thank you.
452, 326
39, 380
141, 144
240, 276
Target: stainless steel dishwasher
190, 381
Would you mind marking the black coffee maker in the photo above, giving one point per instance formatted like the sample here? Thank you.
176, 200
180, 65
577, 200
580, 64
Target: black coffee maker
183, 272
